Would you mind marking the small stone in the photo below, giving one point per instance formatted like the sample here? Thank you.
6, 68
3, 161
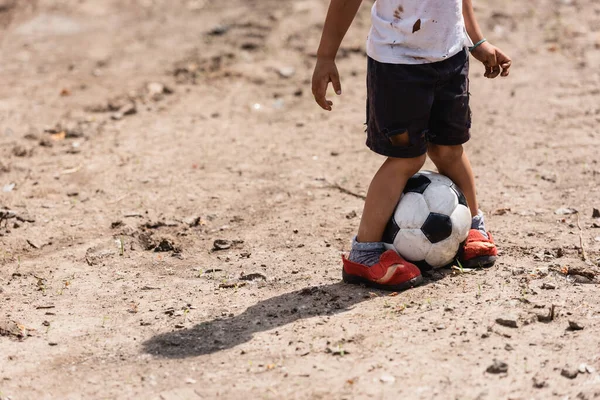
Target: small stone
498, 367
595, 213
35, 244
219, 30
19, 151
575, 326
548, 286
165, 245
569, 372
590, 369
52, 344
509, 321
190, 381
508, 347
286, 72
539, 383
221, 244
387, 379
582, 368
565, 211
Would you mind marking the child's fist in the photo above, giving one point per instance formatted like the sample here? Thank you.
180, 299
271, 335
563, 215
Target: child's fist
495, 61
325, 72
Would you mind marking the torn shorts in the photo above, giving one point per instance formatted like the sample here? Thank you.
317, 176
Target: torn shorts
427, 102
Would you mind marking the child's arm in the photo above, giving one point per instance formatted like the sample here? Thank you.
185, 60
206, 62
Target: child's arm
495, 61
339, 17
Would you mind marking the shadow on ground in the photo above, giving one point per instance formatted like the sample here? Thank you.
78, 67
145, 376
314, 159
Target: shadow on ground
224, 333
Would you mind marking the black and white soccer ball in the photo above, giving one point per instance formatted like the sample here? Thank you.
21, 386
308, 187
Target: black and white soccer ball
430, 222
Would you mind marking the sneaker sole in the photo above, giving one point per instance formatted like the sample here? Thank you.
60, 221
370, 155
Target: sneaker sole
358, 280
480, 262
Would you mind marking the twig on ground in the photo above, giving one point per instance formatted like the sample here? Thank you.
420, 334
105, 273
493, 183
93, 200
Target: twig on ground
342, 189
583, 253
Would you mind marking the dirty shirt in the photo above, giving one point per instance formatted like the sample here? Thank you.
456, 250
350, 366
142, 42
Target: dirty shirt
416, 31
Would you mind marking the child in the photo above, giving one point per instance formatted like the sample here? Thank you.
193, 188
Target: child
417, 105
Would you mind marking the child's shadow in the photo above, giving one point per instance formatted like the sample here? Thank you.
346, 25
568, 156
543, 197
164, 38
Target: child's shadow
227, 332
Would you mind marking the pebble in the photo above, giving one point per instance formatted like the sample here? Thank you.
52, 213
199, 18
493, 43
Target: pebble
508, 321
539, 383
575, 326
548, 286
387, 379
569, 372
498, 367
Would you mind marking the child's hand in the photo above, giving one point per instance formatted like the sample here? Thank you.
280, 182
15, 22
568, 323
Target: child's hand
495, 61
325, 72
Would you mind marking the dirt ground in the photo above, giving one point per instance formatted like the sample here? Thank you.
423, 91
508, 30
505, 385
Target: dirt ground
173, 219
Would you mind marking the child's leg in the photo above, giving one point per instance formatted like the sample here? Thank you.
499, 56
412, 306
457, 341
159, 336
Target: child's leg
453, 162
369, 262
383, 195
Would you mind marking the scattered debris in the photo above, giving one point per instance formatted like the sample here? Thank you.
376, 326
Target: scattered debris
35, 244
230, 285
219, 30
574, 326
344, 190
351, 214
146, 241
336, 351
569, 372
20, 151
501, 211
548, 286
286, 72
127, 109
509, 321
565, 211
547, 318
149, 288
222, 244
498, 367
14, 330
539, 382
252, 277
166, 245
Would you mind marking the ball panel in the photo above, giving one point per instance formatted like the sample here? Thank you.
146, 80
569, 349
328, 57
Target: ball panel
461, 222
417, 184
459, 194
412, 211
442, 253
441, 199
390, 232
437, 227
412, 244
434, 177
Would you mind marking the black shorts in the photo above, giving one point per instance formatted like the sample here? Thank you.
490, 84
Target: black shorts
429, 102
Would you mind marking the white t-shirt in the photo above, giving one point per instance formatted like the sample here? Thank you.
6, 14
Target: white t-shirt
416, 31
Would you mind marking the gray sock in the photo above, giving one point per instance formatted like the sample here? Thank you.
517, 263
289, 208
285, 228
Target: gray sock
478, 223
366, 253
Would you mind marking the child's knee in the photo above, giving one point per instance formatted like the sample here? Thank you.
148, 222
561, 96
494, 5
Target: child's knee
439, 153
408, 166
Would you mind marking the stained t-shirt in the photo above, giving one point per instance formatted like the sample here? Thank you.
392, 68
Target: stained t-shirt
416, 31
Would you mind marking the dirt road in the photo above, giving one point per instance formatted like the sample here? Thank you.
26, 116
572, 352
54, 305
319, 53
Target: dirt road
172, 222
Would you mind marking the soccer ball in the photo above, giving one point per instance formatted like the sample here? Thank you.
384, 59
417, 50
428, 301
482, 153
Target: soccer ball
430, 222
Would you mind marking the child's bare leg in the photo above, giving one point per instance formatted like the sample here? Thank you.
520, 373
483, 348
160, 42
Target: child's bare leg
453, 162
383, 195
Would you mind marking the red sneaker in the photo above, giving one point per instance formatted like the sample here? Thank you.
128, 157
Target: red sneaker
392, 272
478, 250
